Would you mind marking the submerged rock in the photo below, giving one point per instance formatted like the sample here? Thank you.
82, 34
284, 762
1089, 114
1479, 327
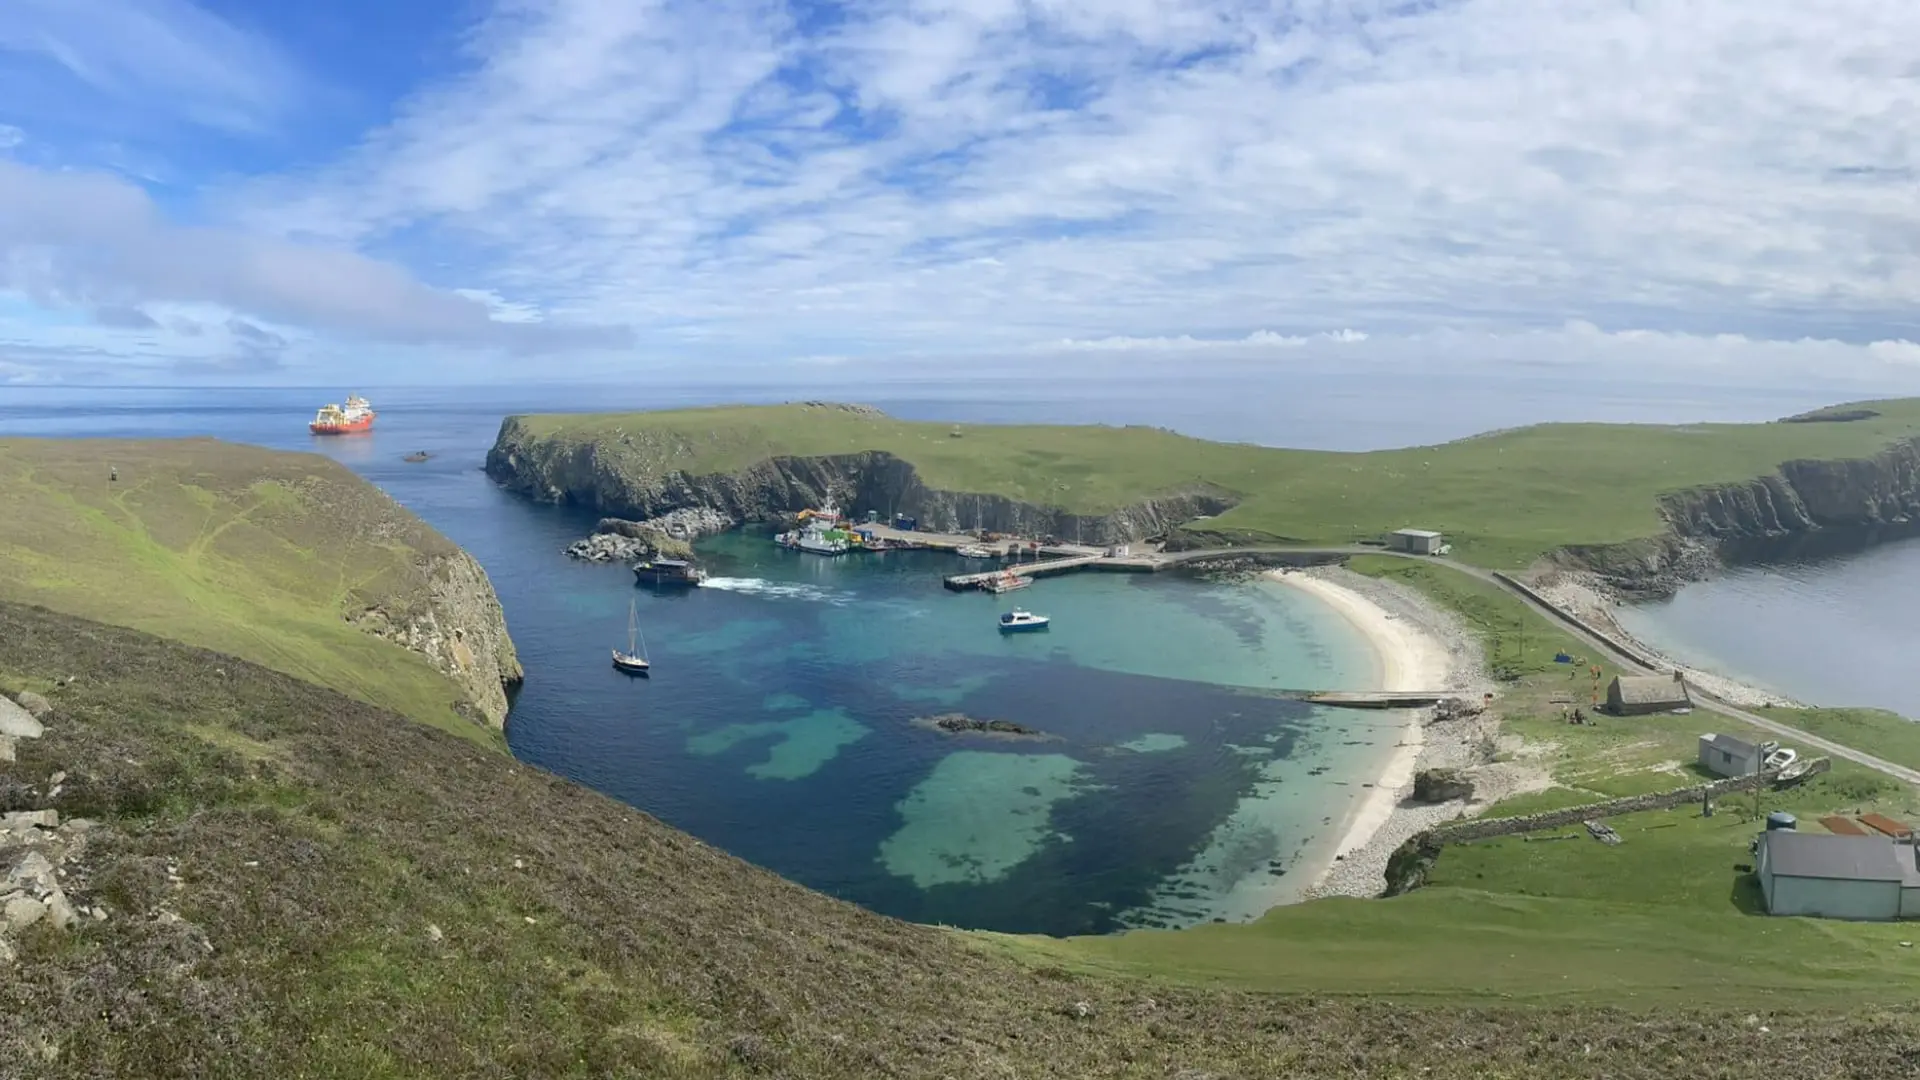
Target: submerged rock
957, 723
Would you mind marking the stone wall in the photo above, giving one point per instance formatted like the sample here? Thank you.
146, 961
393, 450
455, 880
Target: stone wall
1482, 828
1407, 867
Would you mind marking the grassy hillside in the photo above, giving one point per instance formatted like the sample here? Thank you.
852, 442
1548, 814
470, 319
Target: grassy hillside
1505, 498
251, 552
300, 886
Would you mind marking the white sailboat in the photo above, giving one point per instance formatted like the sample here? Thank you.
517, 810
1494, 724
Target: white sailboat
634, 660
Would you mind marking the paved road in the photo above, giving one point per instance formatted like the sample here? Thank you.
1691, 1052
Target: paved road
1630, 663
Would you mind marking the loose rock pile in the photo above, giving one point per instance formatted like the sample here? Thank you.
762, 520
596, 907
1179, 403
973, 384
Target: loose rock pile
35, 847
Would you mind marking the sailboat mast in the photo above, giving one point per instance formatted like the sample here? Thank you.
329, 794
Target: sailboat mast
633, 625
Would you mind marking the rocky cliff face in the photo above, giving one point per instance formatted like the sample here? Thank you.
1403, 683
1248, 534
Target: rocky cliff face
1801, 508
555, 470
455, 621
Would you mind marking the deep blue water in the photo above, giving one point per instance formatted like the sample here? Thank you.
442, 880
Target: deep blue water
779, 723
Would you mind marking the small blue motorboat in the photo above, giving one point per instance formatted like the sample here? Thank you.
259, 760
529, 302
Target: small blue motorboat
1015, 621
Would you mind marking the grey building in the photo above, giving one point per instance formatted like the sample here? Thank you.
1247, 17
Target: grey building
1724, 755
1417, 541
1637, 695
1838, 877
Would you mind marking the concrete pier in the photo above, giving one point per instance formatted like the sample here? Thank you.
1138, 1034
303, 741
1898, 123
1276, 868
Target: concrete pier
1379, 699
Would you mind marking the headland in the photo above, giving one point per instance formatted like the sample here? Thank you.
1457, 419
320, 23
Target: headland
286, 559
1644, 508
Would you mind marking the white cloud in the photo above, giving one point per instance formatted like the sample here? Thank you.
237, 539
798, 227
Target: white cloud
501, 309
1579, 350
141, 54
11, 137
95, 242
1258, 340
744, 179
986, 172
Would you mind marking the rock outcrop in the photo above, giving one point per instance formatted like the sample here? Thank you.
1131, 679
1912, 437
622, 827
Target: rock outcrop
1802, 508
37, 852
669, 536
960, 724
459, 627
1441, 785
17, 722
610, 481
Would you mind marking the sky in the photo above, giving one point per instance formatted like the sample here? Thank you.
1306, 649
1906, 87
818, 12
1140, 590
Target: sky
511, 190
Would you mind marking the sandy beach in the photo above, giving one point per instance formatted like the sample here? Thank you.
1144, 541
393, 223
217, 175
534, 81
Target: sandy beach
1420, 647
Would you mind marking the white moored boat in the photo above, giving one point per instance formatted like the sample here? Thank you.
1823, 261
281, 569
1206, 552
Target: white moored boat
1015, 621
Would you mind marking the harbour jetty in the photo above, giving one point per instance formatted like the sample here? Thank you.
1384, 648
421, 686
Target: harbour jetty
1138, 559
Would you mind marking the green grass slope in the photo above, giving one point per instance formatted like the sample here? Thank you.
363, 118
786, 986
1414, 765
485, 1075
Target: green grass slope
300, 886
1505, 498
247, 551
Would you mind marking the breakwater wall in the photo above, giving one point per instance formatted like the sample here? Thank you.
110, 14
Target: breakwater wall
1612, 641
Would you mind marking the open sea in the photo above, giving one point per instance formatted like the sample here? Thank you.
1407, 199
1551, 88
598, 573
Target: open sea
1175, 787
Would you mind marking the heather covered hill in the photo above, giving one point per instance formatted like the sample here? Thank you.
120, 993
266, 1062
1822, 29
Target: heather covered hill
290, 882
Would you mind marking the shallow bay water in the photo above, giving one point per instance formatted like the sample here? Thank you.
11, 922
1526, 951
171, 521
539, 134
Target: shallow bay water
1839, 630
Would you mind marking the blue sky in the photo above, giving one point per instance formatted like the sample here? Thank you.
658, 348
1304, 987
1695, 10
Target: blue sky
511, 189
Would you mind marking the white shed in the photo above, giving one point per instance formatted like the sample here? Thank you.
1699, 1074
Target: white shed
1724, 755
1417, 541
1834, 877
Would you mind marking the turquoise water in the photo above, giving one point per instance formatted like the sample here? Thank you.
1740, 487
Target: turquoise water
1174, 784
779, 721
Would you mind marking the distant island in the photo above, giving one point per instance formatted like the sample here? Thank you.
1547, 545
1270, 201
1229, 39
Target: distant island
1647, 506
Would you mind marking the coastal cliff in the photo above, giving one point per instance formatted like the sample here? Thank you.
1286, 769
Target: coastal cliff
454, 620
1648, 506
1804, 508
609, 477
287, 560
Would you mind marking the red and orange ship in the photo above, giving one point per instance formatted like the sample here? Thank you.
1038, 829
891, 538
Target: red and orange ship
334, 420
